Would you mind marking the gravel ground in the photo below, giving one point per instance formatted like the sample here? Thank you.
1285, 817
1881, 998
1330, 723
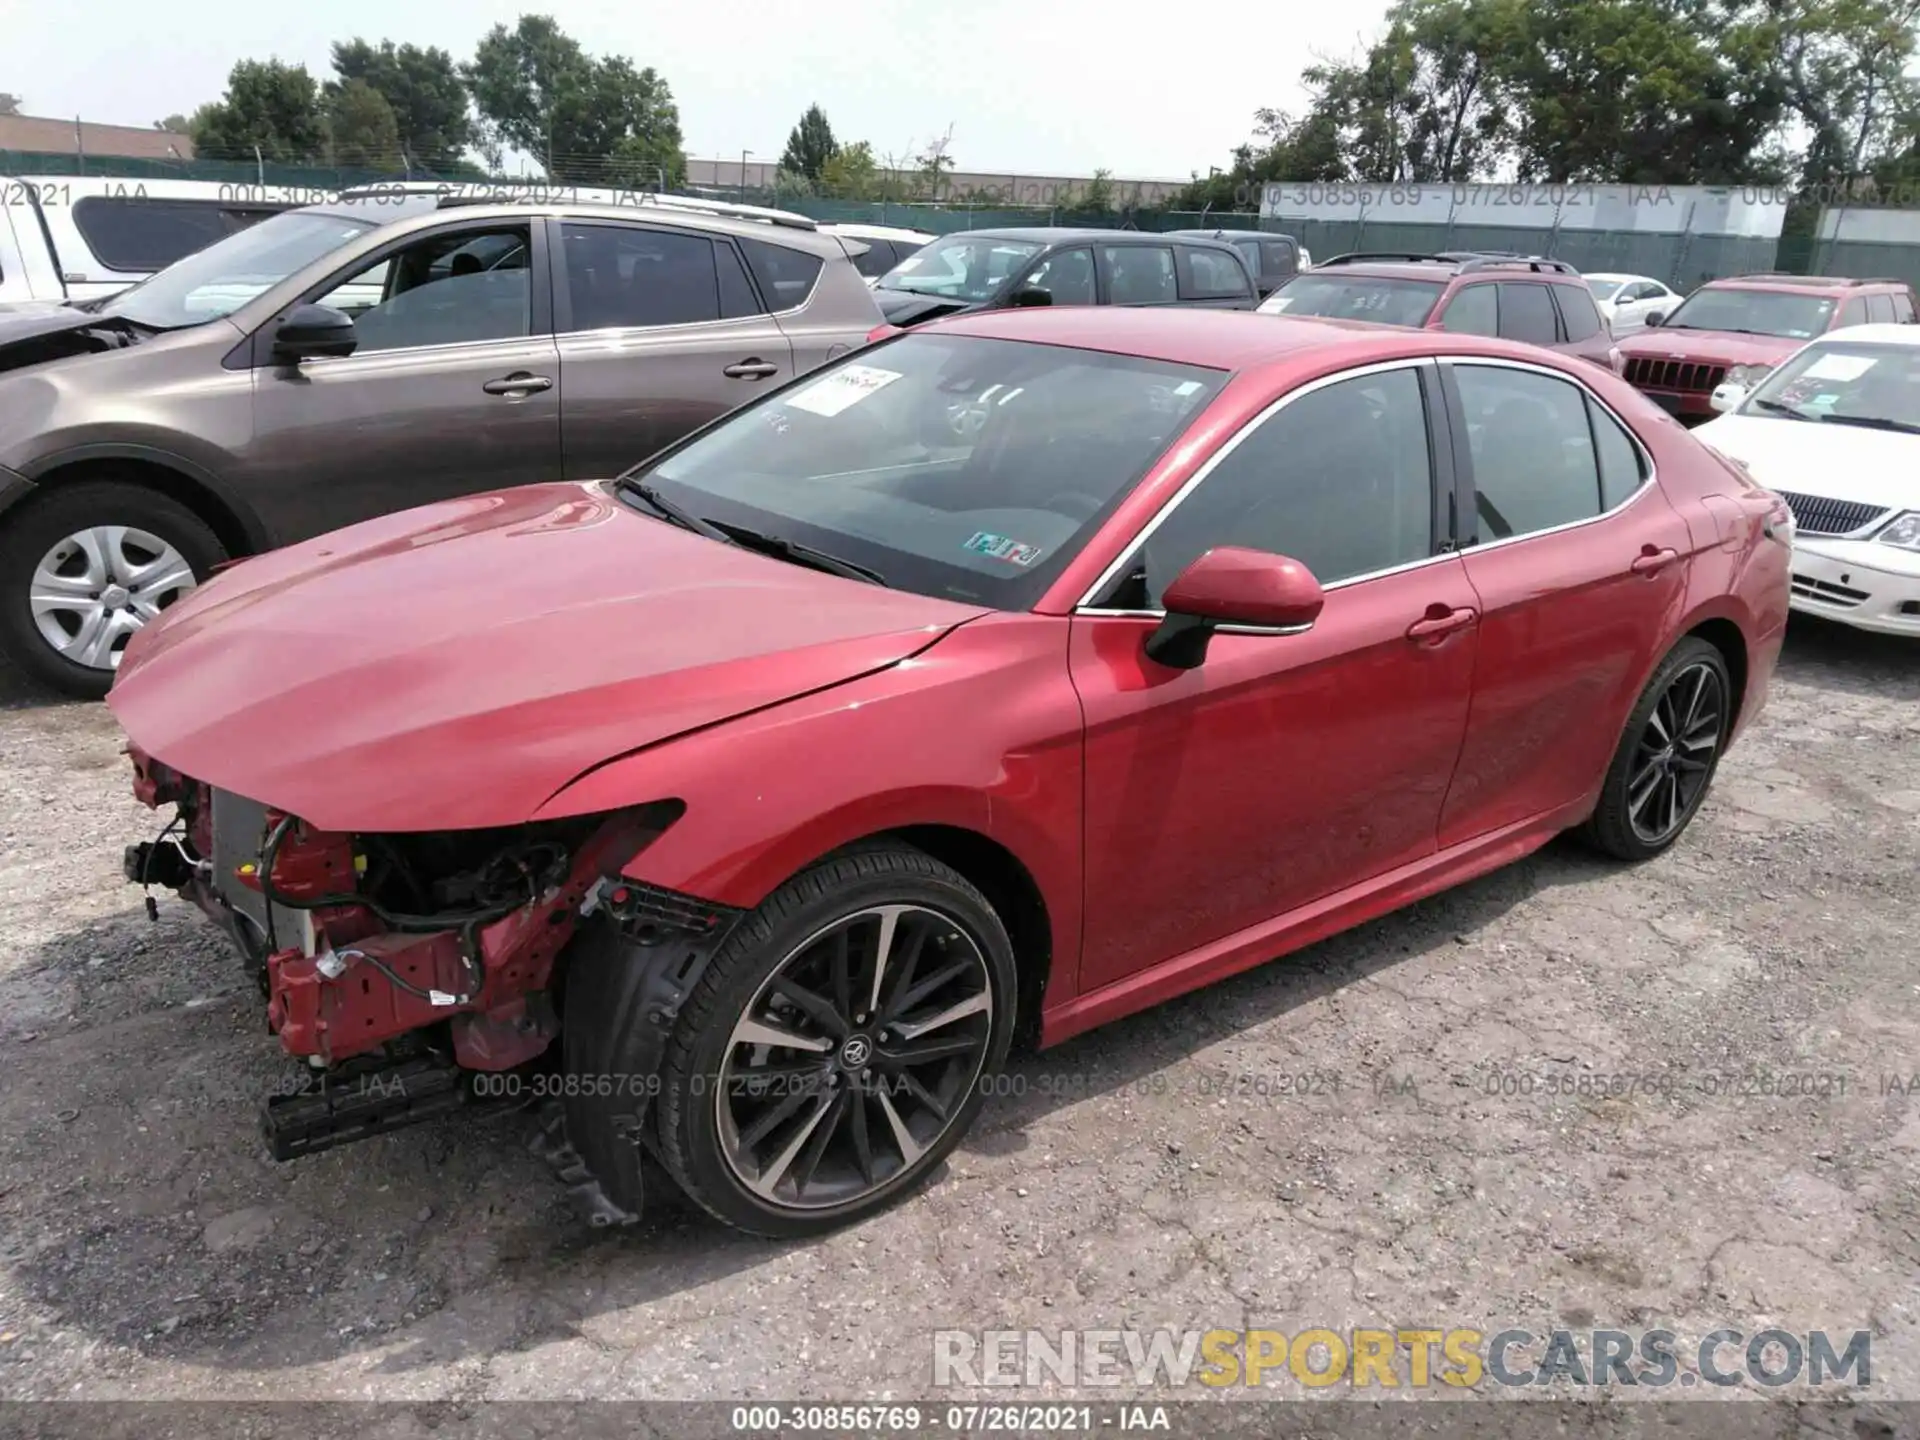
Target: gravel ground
1163, 1172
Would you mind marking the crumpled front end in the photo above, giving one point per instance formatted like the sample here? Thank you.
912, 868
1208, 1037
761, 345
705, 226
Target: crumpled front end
397, 966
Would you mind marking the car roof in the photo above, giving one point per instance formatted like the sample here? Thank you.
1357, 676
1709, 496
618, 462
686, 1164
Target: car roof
1879, 334
877, 232
403, 213
1218, 339
1803, 284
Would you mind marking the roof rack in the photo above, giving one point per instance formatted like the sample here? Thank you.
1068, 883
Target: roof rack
1377, 257
1520, 262
1467, 260
1782, 277
480, 193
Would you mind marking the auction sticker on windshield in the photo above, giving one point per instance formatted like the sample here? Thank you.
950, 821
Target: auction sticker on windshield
999, 547
847, 386
1839, 367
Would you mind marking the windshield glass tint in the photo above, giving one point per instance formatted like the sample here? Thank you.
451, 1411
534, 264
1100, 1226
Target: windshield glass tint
1603, 289
960, 267
954, 466
1356, 297
220, 279
1873, 385
1764, 312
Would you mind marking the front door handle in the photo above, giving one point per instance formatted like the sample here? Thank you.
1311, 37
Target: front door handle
1440, 620
1651, 561
751, 369
518, 383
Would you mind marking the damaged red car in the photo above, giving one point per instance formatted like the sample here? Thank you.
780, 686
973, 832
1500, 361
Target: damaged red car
1008, 677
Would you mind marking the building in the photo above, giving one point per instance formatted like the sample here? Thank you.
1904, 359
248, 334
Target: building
45, 135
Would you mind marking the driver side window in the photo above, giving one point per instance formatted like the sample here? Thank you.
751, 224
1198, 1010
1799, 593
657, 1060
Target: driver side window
1340, 479
445, 289
1067, 277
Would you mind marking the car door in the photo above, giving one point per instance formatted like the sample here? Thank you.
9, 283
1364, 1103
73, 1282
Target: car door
1068, 277
1213, 279
1527, 313
1579, 567
1138, 274
1285, 767
452, 387
660, 330
1472, 309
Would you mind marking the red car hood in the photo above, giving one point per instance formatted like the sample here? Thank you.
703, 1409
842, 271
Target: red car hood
456, 665
1708, 347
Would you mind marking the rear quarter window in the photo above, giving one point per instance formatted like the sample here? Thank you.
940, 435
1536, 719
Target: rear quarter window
142, 233
786, 276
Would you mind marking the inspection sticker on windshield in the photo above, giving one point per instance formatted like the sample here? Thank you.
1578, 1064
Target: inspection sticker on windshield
1840, 367
848, 385
999, 547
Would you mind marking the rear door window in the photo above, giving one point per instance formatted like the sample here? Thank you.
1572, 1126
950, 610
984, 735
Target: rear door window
1854, 312
1903, 308
1140, 274
1526, 313
1212, 275
1880, 309
623, 277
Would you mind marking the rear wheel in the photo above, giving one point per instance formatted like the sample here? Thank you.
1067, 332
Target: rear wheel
1668, 755
85, 566
832, 1054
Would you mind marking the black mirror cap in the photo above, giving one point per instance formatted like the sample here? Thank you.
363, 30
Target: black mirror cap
313, 331
1030, 296
1653, 320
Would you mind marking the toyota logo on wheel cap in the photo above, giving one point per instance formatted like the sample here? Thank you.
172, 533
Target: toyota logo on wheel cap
856, 1052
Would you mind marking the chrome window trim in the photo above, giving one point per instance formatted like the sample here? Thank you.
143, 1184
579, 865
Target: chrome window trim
1649, 475
1085, 605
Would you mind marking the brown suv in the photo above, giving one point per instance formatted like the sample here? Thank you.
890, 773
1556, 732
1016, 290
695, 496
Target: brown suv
337, 362
1741, 327
1516, 297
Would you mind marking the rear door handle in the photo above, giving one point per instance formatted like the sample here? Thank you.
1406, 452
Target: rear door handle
1651, 561
753, 369
1440, 620
518, 383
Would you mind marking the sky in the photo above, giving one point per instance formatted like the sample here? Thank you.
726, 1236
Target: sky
1039, 87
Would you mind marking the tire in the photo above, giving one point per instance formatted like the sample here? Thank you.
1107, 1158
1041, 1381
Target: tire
1619, 827
29, 538
715, 1089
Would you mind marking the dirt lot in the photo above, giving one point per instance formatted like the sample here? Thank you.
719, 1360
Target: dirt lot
1165, 1172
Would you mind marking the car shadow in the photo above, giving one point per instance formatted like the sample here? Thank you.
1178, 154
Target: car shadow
20, 691
138, 1205
1827, 653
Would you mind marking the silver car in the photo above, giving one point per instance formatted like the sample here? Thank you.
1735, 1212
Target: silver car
341, 361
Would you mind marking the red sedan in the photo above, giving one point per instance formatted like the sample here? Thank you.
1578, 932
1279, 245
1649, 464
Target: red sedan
1005, 678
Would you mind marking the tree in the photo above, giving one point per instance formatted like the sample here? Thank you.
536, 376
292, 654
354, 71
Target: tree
269, 107
850, 173
422, 89
1099, 192
361, 131
810, 146
175, 124
936, 163
585, 120
1842, 67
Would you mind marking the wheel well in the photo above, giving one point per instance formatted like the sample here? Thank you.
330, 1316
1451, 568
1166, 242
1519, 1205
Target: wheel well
1015, 897
227, 527
1725, 637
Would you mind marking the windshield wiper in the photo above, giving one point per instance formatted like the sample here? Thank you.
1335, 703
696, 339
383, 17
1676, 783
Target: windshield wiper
796, 553
1778, 407
667, 510
1874, 422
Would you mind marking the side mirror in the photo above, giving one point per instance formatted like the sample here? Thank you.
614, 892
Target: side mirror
1727, 396
1245, 592
1654, 318
313, 331
1031, 295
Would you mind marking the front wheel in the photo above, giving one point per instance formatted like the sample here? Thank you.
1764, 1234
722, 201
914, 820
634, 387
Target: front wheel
1668, 755
84, 566
833, 1053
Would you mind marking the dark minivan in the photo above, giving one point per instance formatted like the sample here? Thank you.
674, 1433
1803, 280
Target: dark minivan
995, 269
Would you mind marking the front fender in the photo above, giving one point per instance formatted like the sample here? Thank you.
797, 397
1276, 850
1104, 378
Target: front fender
982, 733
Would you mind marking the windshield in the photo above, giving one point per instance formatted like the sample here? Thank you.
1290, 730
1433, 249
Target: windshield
1382, 300
948, 465
220, 279
1877, 386
1759, 312
1604, 289
960, 267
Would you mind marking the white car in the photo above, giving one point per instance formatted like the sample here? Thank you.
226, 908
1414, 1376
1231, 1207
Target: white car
1628, 301
886, 246
1835, 431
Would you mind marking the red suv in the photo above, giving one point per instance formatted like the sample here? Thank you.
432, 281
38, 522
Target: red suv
1741, 327
1511, 296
